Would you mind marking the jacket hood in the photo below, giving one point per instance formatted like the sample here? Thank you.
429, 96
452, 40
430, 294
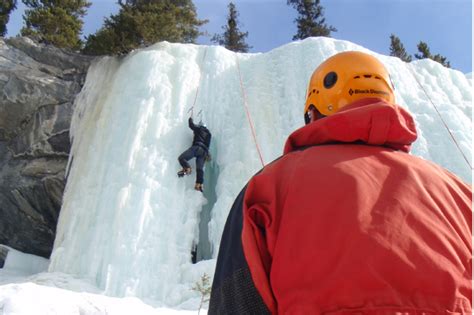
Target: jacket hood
371, 121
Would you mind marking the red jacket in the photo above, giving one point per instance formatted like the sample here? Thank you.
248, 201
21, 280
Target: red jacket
347, 221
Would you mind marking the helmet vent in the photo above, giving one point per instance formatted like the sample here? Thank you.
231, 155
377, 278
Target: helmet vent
367, 76
357, 77
330, 79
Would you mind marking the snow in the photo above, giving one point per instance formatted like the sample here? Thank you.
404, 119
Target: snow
27, 288
25, 263
30, 298
128, 224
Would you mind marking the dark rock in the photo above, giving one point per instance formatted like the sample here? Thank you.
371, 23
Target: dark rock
3, 255
49, 55
38, 84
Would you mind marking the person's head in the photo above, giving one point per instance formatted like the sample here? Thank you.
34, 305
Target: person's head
343, 79
201, 124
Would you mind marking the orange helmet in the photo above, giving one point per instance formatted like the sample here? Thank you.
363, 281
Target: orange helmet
345, 78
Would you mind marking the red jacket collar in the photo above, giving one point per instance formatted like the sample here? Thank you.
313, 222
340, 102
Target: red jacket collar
372, 121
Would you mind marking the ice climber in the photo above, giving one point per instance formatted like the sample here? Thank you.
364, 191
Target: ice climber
199, 149
347, 221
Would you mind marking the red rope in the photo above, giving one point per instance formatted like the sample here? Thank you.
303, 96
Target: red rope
441, 117
249, 118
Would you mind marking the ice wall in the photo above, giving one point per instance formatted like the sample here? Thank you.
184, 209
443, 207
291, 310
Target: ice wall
128, 223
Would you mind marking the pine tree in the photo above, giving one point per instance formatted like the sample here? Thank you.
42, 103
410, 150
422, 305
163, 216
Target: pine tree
232, 38
425, 53
141, 23
442, 60
6, 7
397, 49
424, 50
58, 22
310, 20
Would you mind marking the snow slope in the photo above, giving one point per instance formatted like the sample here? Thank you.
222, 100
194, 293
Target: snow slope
128, 224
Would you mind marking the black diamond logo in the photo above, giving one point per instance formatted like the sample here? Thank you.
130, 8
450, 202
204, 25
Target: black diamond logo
351, 92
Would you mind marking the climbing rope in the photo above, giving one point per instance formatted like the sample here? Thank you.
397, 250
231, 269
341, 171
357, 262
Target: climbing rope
440, 116
249, 118
199, 83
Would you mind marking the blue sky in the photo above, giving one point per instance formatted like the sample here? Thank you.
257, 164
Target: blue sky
445, 25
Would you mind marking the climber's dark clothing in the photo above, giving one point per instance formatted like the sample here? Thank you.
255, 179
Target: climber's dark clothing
199, 150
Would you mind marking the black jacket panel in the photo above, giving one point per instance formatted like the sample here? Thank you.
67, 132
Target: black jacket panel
202, 135
233, 290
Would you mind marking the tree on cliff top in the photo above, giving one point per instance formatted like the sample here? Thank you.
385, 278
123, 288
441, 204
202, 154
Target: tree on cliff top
141, 23
397, 49
58, 22
425, 53
310, 20
232, 38
6, 7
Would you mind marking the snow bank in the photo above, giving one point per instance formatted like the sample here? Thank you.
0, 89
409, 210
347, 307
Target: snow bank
30, 298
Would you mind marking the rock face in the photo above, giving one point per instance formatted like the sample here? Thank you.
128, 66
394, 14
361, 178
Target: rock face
38, 85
